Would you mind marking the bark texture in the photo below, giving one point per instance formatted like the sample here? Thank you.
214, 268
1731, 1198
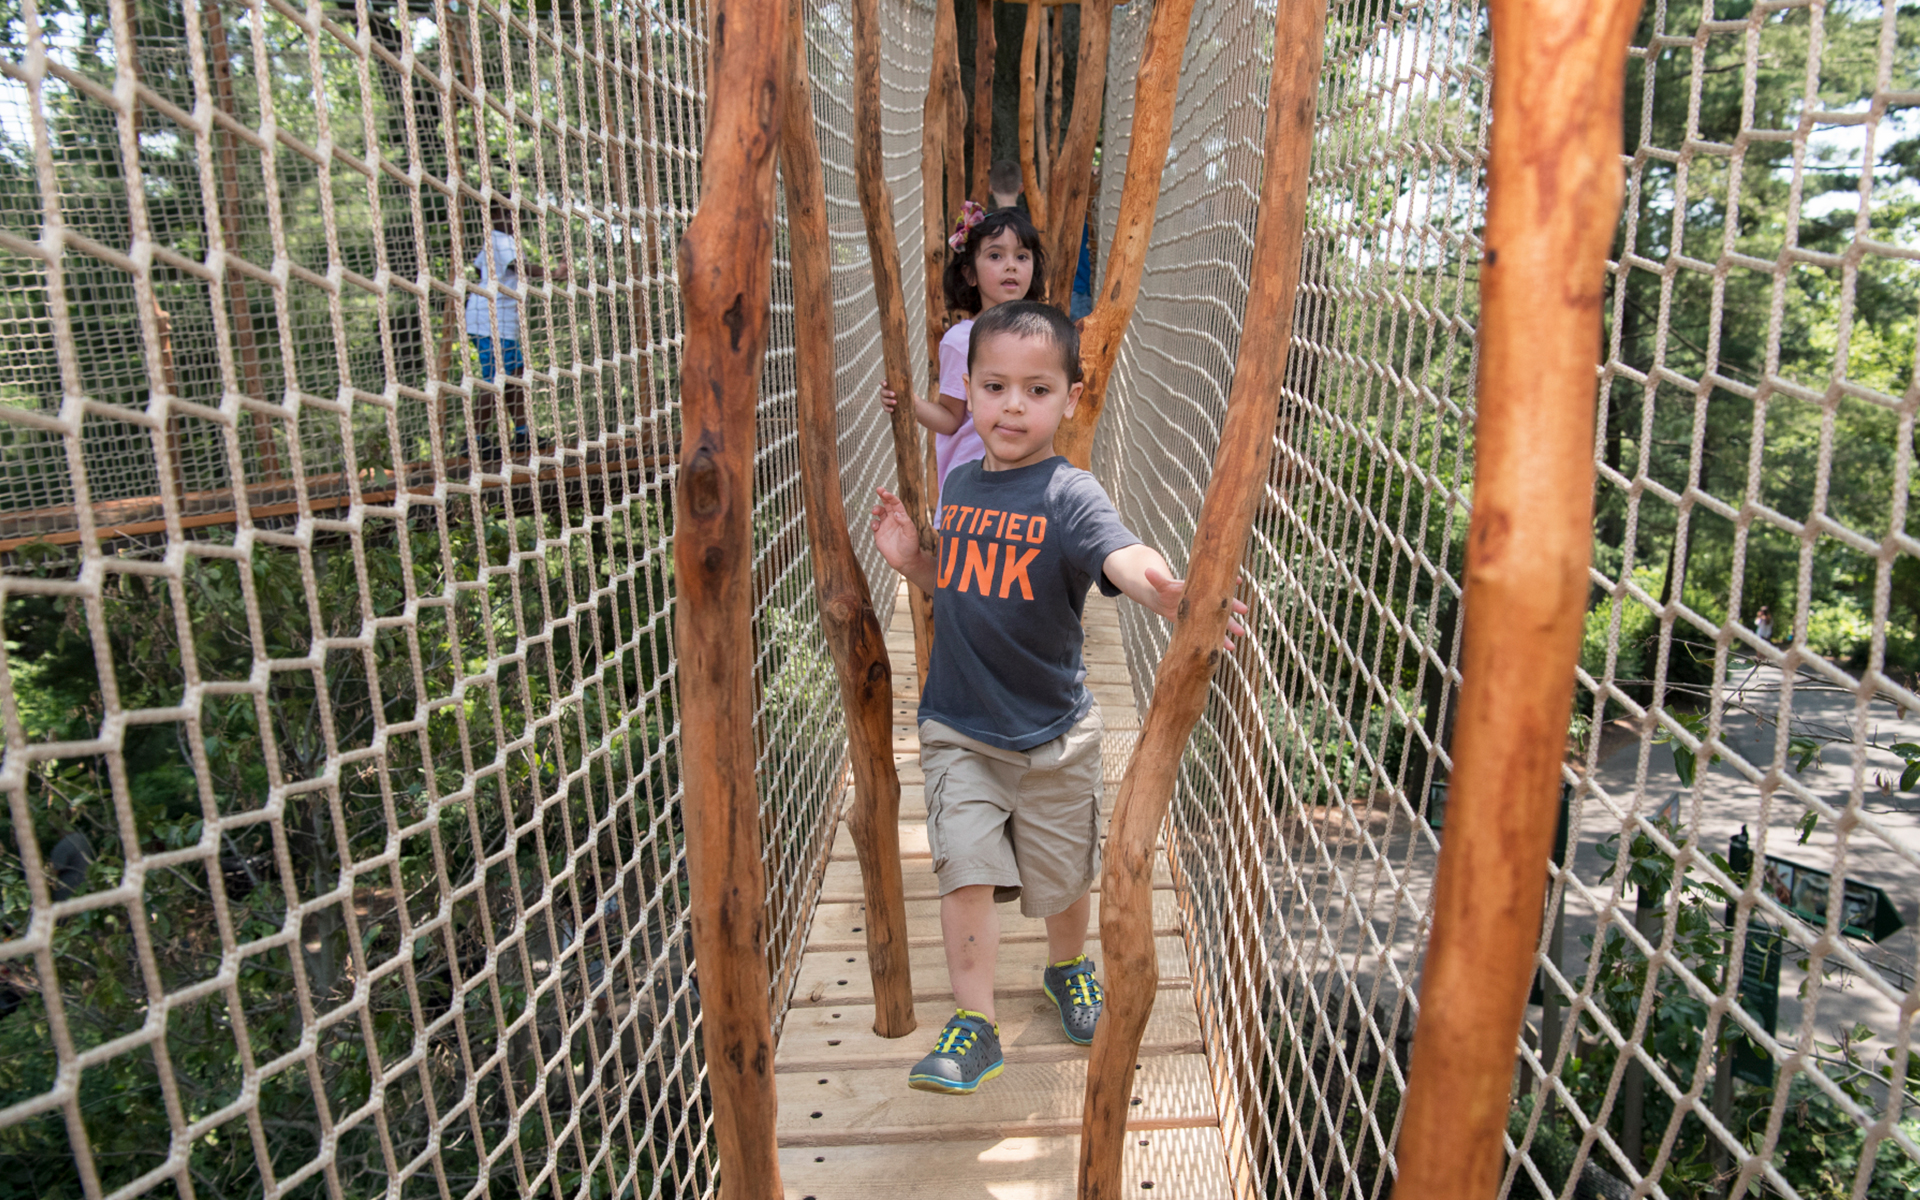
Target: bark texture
846, 606
1030, 41
1554, 182
1186, 670
985, 46
1073, 168
1100, 336
876, 205
935, 128
726, 267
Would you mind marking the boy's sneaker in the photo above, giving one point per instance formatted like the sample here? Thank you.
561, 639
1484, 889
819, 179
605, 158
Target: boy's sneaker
966, 1055
1076, 993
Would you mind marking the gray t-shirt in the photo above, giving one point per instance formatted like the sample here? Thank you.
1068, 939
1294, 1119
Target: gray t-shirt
1017, 551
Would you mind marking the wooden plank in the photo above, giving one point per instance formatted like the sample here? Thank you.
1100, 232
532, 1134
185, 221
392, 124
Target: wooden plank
839, 978
842, 927
1029, 1099
1179, 1164
814, 1041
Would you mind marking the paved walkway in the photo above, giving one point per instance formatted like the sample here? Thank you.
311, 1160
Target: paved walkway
849, 1125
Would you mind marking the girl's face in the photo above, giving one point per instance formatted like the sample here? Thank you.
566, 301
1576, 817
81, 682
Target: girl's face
1002, 269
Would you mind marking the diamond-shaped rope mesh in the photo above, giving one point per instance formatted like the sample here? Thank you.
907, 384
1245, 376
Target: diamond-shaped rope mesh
1715, 1016
341, 850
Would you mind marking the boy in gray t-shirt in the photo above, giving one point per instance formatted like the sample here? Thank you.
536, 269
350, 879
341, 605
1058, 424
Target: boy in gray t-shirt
1009, 734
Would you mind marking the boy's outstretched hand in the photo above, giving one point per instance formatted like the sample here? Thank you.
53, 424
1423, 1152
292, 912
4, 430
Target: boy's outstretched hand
1167, 592
899, 541
1140, 572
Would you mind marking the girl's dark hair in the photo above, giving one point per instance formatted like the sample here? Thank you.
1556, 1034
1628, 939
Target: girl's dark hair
965, 297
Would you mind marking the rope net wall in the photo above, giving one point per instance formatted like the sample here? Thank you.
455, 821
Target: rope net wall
341, 851
1711, 1018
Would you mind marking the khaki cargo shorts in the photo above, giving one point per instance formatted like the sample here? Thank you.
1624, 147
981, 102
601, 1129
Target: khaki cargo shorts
1025, 821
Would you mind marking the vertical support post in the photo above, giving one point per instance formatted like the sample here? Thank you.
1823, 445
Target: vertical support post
1554, 182
956, 129
852, 629
1057, 69
1100, 336
1219, 545
1030, 40
726, 271
985, 47
1043, 145
1073, 169
942, 175
876, 205
230, 224
934, 131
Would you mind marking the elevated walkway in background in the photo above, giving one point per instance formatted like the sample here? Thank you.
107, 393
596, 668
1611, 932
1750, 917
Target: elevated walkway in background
849, 1125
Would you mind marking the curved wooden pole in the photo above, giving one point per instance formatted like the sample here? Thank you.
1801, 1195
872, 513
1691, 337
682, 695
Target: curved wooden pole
1100, 336
846, 606
1554, 182
986, 45
1073, 168
1219, 544
726, 269
876, 205
935, 128
1030, 41
956, 135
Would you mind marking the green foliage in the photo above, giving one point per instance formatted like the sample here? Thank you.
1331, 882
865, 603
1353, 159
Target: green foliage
1820, 1145
1839, 628
468, 850
1836, 459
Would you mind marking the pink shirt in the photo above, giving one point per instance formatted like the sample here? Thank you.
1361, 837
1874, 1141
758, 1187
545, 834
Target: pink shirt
964, 444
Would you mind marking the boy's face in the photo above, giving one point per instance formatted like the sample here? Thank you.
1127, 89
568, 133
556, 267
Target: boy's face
1002, 269
1018, 393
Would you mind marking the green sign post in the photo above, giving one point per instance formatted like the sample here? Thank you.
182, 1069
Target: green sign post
1760, 996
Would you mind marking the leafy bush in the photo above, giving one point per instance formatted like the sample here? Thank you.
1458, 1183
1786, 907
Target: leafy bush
1839, 628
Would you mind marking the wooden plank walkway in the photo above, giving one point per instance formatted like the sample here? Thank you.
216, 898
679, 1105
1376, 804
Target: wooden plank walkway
849, 1125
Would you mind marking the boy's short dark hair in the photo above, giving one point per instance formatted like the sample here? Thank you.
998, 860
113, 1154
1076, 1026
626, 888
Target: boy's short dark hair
1029, 319
1004, 177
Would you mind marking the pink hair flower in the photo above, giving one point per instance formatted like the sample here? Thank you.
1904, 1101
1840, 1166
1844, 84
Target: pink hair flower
971, 214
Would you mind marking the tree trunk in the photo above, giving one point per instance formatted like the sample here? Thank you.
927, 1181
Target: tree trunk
1219, 545
1030, 41
1154, 94
846, 606
876, 204
1554, 183
230, 226
985, 46
1073, 169
726, 269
